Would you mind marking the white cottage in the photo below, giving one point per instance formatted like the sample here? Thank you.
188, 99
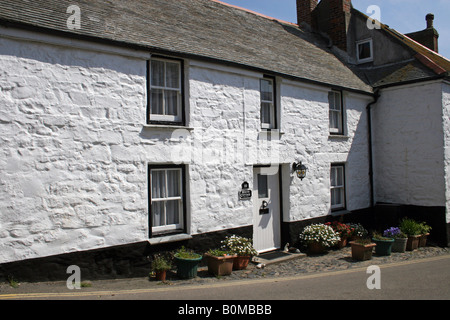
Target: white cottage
132, 127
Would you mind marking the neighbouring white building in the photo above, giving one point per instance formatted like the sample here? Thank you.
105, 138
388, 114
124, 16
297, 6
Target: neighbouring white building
131, 127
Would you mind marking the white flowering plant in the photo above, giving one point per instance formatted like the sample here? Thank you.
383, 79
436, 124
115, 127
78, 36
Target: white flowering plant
239, 245
320, 233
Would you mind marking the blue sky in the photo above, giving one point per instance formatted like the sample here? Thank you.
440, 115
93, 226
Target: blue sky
402, 15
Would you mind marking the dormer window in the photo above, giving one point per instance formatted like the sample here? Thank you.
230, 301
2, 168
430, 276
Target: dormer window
364, 51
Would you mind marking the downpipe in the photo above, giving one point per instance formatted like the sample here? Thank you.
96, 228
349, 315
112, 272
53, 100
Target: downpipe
370, 147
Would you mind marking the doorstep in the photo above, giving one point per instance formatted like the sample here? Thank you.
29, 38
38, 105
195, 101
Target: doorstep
276, 256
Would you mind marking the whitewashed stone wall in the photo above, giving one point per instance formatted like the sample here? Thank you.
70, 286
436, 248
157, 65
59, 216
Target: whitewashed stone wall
73, 173
307, 139
408, 140
225, 106
75, 148
446, 126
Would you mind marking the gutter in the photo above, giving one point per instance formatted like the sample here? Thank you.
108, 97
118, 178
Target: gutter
369, 128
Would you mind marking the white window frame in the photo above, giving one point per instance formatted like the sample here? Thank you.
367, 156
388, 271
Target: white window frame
168, 227
271, 103
337, 98
178, 118
337, 169
358, 43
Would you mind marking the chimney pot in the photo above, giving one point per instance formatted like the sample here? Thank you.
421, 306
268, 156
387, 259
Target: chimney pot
430, 19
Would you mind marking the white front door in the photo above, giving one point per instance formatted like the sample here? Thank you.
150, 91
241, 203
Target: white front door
266, 210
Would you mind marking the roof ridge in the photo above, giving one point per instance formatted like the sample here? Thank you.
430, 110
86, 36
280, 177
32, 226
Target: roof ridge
430, 55
255, 13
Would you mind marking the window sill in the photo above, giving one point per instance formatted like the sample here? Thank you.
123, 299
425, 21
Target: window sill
167, 127
271, 131
339, 212
363, 61
170, 238
338, 136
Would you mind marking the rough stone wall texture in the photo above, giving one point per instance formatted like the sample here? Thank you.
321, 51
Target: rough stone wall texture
446, 126
408, 146
307, 139
75, 149
73, 172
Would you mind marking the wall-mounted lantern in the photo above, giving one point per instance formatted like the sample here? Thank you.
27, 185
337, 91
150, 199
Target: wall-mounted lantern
300, 169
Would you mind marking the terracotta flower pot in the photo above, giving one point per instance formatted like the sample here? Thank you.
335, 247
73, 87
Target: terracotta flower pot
413, 243
361, 251
316, 248
423, 240
220, 266
342, 243
241, 262
161, 275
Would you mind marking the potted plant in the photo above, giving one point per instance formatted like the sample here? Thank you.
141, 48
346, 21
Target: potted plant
411, 228
220, 262
359, 232
400, 239
187, 263
362, 249
383, 244
344, 231
319, 237
424, 231
160, 265
241, 247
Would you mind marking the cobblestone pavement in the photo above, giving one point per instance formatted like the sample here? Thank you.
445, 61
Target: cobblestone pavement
333, 260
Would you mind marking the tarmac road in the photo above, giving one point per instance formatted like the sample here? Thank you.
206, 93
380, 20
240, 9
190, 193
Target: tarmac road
423, 279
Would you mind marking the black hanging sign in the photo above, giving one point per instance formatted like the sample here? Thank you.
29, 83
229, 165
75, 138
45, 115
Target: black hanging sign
245, 193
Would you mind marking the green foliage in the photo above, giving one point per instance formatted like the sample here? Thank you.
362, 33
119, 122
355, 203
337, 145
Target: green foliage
363, 241
13, 282
184, 253
218, 252
410, 227
424, 228
379, 236
161, 263
358, 230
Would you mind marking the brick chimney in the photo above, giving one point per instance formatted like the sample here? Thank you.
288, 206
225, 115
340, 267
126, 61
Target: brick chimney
329, 16
428, 37
339, 18
305, 10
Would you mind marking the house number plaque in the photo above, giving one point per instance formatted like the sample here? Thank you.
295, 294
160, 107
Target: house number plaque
245, 193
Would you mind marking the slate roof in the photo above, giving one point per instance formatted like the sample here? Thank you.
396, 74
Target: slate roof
401, 72
194, 28
425, 64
